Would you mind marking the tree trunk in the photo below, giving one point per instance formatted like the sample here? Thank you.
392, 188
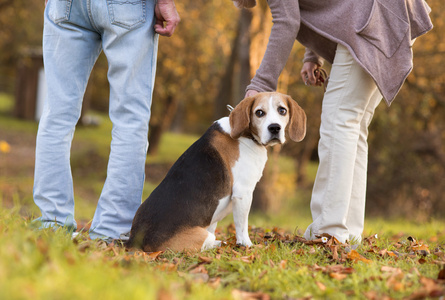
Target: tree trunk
156, 130
225, 93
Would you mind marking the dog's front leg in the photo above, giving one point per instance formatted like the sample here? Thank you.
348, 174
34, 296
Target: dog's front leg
241, 208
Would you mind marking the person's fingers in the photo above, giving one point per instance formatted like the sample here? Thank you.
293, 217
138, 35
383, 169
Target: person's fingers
167, 18
250, 93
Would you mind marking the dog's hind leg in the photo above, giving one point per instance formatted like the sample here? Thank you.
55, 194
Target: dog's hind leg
194, 239
210, 242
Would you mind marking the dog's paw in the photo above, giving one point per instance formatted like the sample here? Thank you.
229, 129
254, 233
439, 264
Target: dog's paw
244, 242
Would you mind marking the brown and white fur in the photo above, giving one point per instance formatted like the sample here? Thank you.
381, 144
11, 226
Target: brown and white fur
215, 176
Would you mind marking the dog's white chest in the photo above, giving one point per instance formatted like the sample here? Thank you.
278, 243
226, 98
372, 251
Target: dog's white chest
246, 172
248, 169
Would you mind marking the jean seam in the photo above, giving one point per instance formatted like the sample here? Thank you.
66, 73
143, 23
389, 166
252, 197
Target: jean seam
90, 16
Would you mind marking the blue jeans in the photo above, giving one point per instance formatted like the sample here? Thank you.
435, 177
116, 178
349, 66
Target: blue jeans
75, 32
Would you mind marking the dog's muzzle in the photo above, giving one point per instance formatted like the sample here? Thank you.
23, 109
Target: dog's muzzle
274, 129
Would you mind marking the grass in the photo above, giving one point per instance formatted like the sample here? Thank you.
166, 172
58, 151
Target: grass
48, 264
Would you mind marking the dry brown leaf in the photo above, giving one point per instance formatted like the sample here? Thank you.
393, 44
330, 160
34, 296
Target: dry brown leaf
334, 250
348, 270
164, 295
392, 254
372, 295
421, 248
394, 283
243, 295
383, 252
431, 285
246, 259
321, 286
262, 274
441, 275
355, 257
166, 267
421, 261
338, 276
154, 255
214, 282
199, 269
283, 264
205, 259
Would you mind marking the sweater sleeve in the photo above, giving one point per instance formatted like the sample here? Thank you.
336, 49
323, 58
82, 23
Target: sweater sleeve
286, 24
311, 56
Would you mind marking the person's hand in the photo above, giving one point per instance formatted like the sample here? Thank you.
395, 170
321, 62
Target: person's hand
250, 93
46, 2
167, 17
310, 74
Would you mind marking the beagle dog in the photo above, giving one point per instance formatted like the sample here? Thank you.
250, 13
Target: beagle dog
216, 176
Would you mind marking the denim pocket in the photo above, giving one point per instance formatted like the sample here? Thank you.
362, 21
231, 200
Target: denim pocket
126, 13
384, 29
59, 10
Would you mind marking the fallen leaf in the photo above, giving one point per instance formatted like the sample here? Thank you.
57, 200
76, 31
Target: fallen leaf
394, 283
422, 261
371, 295
205, 259
154, 255
321, 286
388, 269
334, 250
243, 295
166, 267
392, 254
199, 269
422, 249
338, 276
283, 264
262, 274
355, 257
164, 295
214, 282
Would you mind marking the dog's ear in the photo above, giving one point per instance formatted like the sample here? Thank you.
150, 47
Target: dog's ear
239, 118
297, 121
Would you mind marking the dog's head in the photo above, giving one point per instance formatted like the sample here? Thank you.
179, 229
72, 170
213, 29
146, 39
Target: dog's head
265, 117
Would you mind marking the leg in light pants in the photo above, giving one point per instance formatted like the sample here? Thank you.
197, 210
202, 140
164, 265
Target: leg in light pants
75, 32
338, 197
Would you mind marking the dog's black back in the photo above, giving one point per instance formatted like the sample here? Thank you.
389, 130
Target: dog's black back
174, 204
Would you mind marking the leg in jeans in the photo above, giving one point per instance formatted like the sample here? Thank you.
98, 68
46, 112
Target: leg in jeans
131, 48
348, 96
70, 49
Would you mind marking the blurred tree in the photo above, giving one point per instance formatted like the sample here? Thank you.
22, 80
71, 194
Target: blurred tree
190, 65
21, 26
407, 140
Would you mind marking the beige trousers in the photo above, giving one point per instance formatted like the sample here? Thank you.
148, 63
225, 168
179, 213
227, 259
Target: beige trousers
338, 197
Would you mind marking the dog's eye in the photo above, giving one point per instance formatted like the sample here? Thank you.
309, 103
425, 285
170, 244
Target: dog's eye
259, 113
282, 111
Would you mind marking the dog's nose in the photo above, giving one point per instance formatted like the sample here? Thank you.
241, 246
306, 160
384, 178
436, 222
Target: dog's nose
274, 128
